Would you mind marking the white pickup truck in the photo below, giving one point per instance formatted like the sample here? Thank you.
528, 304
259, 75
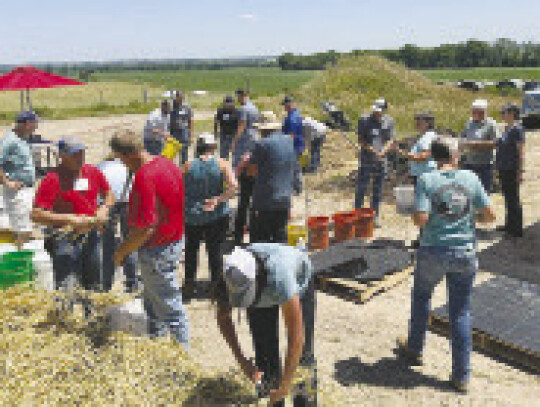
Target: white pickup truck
530, 109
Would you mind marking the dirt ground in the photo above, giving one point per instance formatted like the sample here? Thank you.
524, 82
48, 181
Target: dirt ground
354, 343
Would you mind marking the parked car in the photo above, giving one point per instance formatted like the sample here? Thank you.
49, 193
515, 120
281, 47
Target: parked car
530, 109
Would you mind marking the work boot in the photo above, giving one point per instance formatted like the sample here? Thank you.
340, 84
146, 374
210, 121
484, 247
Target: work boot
407, 355
459, 386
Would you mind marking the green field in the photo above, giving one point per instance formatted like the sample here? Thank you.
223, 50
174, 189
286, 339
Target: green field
262, 81
490, 74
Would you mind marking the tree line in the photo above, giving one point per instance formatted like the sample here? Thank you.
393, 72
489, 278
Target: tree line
470, 54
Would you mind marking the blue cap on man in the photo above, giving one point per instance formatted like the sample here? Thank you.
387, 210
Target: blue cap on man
70, 146
26, 116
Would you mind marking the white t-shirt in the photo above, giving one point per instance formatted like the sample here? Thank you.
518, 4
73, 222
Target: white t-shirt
116, 174
156, 121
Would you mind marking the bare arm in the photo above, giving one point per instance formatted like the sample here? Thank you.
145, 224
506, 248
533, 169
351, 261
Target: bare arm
420, 219
389, 144
232, 182
292, 316
4, 180
49, 218
481, 145
420, 157
485, 215
135, 240
227, 329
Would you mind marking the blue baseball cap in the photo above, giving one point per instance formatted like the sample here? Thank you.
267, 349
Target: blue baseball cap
70, 146
26, 116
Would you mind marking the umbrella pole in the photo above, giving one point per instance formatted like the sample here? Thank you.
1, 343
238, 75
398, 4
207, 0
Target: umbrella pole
28, 99
22, 100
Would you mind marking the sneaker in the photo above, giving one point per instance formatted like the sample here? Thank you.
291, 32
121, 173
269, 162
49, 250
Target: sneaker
406, 354
459, 386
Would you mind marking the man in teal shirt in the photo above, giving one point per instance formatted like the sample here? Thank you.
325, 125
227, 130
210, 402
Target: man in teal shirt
18, 174
448, 202
260, 277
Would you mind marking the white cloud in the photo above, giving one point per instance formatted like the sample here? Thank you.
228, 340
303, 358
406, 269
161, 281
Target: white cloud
248, 17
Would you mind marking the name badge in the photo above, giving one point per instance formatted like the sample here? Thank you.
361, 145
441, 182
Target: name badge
81, 184
225, 117
375, 132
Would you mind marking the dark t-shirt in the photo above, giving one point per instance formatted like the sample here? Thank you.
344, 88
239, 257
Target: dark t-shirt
507, 148
275, 159
228, 121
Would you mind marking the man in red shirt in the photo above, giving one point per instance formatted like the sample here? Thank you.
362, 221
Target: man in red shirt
156, 231
68, 197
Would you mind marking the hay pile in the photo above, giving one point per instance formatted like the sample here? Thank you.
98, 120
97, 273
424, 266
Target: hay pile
52, 357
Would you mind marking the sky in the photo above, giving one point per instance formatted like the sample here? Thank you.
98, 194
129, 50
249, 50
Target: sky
101, 30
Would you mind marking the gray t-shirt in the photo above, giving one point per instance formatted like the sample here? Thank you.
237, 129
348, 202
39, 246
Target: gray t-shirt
275, 159
375, 133
16, 159
479, 131
249, 114
289, 272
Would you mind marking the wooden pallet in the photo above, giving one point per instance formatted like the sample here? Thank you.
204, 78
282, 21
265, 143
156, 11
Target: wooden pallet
360, 293
492, 346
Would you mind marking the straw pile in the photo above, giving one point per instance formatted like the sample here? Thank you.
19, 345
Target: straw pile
49, 356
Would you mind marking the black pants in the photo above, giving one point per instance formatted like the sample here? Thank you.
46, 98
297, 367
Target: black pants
264, 327
514, 212
246, 190
213, 234
269, 226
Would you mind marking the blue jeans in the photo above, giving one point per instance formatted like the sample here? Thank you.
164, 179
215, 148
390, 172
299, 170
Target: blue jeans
370, 169
484, 172
79, 259
459, 265
225, 143
316, 146
162, 296
297, 181
109, 243
183, 137
153, 146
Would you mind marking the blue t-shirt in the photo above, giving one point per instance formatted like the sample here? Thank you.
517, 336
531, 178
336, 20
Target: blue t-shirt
275, 159
289, 272
16, 159
423, 144
451, 198
292, 125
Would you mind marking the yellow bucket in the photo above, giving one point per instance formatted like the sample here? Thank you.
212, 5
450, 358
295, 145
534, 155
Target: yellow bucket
304, 159
172, 148
294, 233
7, 237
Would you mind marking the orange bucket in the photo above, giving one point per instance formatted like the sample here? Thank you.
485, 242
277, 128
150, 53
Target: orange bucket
319, 232
344, 226
365, 219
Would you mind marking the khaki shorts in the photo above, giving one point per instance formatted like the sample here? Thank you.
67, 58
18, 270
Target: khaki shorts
18, 206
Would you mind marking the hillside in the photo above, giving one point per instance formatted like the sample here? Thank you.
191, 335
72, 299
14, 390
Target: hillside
355, 82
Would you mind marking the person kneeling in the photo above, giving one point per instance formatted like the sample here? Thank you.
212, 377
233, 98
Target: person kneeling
263, 277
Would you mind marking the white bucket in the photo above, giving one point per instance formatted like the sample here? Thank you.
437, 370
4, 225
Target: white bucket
404, 199
129, 317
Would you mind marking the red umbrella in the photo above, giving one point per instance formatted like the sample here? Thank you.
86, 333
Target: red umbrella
28, 77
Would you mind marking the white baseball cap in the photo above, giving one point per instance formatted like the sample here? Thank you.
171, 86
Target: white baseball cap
239, 273
206, 139
376, 109
480, 104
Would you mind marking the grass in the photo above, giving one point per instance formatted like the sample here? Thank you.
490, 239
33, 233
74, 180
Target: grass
122, 92
490, 74
262, 81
